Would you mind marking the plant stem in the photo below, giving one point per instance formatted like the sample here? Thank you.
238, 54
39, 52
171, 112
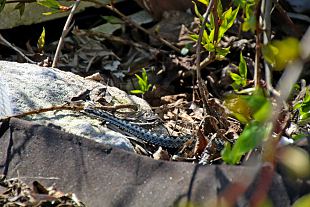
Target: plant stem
7, 43
65, 31
257, 70
201, 85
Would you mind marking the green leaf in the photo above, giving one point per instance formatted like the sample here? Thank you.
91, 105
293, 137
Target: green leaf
222, 52
305, 116
52, 4
307, 96
228, 18
205, 38
251, 137
250, 19
194, 37
207, 42
243, 119
205, 2
211, 36
243, 3
41, 40
209, 47
243, 70
226, 152
144, 86
239, 108
303, 201
240, 80
137, 92
299, 136
255, 101
249, 107
270, 52
219, 8
236, 87
211, 22
240, 3
144, 76
305, 107
237, 78
249, 24
51, 12
140, 82
264, 113
279, 53
297, 106
197, 12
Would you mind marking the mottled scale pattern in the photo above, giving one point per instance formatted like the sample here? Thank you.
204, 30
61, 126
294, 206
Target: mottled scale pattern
137, 131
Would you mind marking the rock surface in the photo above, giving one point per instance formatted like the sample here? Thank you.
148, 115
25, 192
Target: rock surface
11, 18
103, 176
33, 87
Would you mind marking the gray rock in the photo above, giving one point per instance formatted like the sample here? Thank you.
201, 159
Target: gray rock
104, 176
33, 87
5, 107
10, 17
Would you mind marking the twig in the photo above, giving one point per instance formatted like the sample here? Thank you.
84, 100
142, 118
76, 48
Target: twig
201, 85
38, 111
285, 84
257, 69
266, 26
205, 62
65, 31
132, 23
7, 43
68, 106
216, 24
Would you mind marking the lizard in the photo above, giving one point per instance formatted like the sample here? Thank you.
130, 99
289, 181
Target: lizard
137, 131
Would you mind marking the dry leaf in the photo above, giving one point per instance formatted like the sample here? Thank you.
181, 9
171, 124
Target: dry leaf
161, 154
201, 143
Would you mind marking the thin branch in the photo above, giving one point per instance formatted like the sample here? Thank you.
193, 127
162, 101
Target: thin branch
266, 25
65, 31
201, 85
257, 69
7, 43
134, 24
38, 111
288, 79
69, 106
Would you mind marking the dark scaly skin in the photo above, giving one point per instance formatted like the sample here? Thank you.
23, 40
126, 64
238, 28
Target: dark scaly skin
139, 132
